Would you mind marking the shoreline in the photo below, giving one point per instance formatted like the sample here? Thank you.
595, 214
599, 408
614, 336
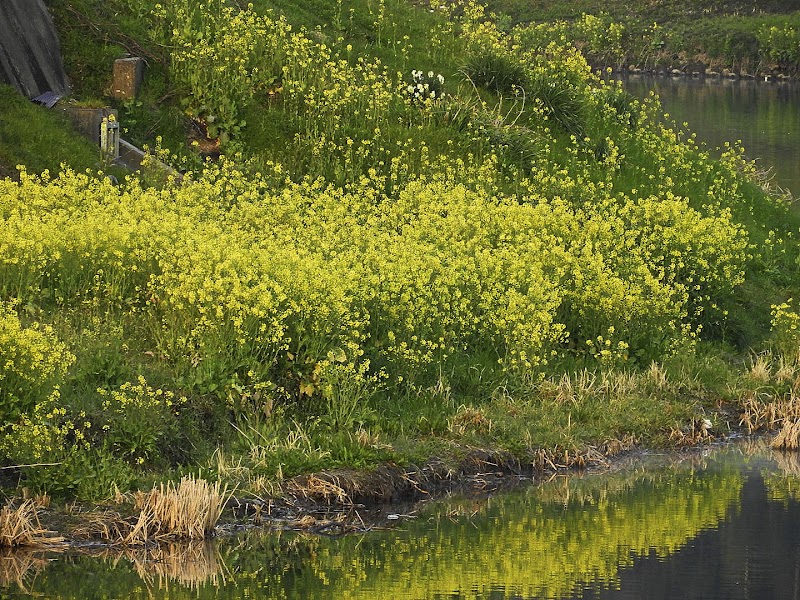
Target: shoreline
690, 71
346, 501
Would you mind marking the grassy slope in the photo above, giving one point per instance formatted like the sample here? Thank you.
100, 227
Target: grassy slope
39, 139
559, 414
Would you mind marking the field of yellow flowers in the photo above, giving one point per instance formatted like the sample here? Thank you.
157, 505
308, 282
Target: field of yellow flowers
525, 258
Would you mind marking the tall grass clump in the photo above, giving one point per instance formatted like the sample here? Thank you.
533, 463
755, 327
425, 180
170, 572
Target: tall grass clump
189, 510
20, 526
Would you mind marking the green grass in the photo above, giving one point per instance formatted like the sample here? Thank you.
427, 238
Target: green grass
40, 139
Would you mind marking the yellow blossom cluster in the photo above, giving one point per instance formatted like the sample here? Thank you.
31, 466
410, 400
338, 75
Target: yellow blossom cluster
33, 362
240, 283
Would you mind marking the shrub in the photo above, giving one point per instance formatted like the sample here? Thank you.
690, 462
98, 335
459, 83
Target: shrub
599, 38
496, 71
780, 44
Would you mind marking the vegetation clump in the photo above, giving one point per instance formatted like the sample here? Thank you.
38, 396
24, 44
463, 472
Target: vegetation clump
19, 526
511, 254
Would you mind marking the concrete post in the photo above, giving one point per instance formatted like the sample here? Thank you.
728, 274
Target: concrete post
128, 76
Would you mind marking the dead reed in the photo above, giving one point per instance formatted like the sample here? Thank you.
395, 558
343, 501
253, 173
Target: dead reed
316, 488
20, 526
788, 437
697, 433
760, 412
189, 510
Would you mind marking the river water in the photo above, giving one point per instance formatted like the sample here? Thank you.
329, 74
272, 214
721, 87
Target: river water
710, 524
764, 116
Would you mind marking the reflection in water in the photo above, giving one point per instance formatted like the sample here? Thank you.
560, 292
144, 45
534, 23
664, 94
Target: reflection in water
765, 117
20, 567
193, 565
724, 525
754, 556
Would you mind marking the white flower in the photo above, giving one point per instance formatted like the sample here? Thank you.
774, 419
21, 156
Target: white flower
440, 77
430, 74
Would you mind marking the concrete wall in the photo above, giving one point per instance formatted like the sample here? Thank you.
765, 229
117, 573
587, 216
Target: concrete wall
30, 54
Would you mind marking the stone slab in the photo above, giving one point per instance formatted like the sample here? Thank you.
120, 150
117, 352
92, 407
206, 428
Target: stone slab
89, 120
127, 78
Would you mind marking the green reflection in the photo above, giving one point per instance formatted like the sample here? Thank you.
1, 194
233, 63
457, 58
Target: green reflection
780, 470
540, 542
764, 117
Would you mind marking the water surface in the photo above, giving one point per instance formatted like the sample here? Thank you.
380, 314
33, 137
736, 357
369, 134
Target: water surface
712, 525
765, 117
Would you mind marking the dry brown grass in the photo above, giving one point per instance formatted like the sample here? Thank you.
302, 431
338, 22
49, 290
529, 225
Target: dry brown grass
763, 412
20, 526
616, 446
775, 403
761, 369
469, 418
788, 437
106, 525
316, 488
189, 510
564, 458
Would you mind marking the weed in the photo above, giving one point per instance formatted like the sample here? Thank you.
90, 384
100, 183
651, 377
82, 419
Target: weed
189, 510
19, 526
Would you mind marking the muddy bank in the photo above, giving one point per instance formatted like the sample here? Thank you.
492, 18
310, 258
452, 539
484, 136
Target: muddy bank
348, 501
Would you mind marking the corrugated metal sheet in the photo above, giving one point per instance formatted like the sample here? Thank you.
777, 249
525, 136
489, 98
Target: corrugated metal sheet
30, 54
48, 99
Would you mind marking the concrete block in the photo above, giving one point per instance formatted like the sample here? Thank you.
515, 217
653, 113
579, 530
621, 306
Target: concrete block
128, 77
89, 120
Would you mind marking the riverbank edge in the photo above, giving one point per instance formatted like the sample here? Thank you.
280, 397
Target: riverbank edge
344, 501
695, 70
